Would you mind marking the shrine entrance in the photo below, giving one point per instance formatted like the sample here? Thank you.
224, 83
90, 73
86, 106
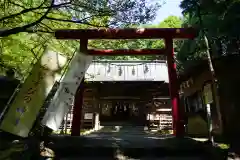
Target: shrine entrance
168, 34
120, 111
125, 102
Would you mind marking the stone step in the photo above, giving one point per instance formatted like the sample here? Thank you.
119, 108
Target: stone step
100, 147
129, 158
134, 153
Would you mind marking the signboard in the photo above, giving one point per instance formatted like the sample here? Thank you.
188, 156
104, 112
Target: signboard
23, 111
207, 90
25, 107
63, 99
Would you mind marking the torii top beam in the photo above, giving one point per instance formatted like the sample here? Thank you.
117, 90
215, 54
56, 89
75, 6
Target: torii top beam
129, 33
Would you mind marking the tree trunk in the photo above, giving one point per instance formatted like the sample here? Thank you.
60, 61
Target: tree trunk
214, 83
215, 90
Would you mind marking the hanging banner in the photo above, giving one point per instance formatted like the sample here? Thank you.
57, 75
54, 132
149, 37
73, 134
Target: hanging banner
25, 107
63, 99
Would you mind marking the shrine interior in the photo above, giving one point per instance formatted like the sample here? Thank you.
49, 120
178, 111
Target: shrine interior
125, 102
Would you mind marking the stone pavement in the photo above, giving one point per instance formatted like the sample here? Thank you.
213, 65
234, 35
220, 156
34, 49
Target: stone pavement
130, 142
128, 136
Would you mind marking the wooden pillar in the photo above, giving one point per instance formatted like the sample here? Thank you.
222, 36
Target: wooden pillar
77, 110
178, 123
96, 115
78, 101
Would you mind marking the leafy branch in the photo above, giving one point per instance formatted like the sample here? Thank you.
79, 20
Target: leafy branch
23, 28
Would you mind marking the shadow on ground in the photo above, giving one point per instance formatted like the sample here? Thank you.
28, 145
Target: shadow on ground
131, 143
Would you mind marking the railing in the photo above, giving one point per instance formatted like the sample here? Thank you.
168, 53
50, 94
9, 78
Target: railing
165, 121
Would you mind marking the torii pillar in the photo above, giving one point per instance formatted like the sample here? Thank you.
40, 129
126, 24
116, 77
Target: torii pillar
168, 34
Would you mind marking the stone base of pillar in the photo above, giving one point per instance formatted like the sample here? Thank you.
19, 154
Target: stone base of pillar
96, 122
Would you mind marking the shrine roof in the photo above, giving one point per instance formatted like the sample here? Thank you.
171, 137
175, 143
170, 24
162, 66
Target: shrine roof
135, 70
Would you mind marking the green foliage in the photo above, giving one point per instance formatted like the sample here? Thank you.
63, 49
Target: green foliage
169, 22
18, 51
45, 16
42, 17
219, 20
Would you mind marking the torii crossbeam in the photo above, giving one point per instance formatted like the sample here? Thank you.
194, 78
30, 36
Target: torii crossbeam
168, 34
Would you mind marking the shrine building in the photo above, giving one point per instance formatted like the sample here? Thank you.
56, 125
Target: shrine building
125, 92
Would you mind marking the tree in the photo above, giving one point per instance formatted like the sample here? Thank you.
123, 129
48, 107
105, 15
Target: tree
42, 17
216, 36
219, 20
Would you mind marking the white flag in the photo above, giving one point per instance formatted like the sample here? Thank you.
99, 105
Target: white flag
63, 99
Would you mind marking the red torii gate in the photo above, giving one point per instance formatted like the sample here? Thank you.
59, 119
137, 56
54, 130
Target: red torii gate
168, 34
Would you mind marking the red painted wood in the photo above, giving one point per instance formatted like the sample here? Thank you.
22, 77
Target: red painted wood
77, 110
119, 52
78, 101
130, 33
177, 113
148, 33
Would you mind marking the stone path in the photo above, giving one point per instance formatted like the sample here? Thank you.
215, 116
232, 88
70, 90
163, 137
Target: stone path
129, 142
131, 136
